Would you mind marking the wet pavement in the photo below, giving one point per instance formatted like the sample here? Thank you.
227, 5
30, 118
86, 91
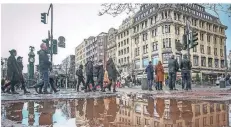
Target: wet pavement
123, 110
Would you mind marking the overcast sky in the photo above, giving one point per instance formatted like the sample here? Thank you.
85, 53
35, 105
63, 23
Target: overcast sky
22, 27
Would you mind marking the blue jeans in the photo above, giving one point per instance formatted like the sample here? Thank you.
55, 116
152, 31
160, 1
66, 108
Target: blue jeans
45, 78
150, 83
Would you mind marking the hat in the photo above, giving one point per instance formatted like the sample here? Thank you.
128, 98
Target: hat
12, 50
19, 57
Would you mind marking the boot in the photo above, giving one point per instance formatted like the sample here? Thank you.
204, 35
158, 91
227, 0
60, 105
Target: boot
3, 89
13, 89
8, 90
77, 88
161, 87
24, 89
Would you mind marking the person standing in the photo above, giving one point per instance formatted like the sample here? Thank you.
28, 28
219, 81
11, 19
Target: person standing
44, 66
159, 70
80, 76
185, 67
89, 74
100, 75
12, 71
150, 75
173, 67
20, 68
112, 74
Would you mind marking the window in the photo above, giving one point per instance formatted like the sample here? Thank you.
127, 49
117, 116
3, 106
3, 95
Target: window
215, 51
209, 50
202, 49
221, 52
137, 64
215, 40
210, 60
195, 49
221, 41
216, 63
154, 46
127, 41
145, 36
195, 60
151, 20
145, 49
145, 62
146, 121
201, 36
208, 38
177, 30
205, 108
203, 61
154, 32
167, 43
222, 63
204, 121
167, 28
137, 51
197, 123
138, 120
136, 40
211, 120
119, 44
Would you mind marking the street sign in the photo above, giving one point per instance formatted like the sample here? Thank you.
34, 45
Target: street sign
61, 42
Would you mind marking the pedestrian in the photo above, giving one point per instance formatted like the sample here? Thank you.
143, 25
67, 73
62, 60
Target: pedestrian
80, 76
150, 75
173, 67
100, 75
185, 67
89, 74
44, 66
13, 71
112, 74
159, 71
20, 68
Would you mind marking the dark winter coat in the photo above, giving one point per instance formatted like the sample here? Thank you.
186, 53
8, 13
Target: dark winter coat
20, 67
100, 71
173, 66
89, 68
12, 69
79, 73
185, 65
44, 63
111, 69
150, 72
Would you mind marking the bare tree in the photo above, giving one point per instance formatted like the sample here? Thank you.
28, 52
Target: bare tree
116, 9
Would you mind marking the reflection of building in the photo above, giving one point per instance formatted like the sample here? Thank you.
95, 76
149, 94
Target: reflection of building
157, 27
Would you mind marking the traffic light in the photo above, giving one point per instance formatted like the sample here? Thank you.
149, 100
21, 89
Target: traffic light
47, 42
194, 39
44, 18
55, 47
184, 42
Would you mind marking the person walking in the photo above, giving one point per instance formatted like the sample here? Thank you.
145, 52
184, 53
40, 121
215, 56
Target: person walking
100, 75
89, 74
112, 74
185, 67
173, 67
44, 66
20, 68
150, 75
12, 71
159, 71
80, 76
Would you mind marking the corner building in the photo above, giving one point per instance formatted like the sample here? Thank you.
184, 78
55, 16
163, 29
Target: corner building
157, 27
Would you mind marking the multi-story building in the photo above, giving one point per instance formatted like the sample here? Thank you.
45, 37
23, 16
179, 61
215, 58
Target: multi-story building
157, 27
111, 44
3, 67
80, 55
68, 65
123, 43
95, 47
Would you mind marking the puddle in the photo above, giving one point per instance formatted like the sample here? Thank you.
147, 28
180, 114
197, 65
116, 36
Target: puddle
123, 111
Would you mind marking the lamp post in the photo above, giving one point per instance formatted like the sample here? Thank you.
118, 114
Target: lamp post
31, 61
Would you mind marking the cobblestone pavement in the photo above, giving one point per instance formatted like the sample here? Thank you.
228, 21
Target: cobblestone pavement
206, 93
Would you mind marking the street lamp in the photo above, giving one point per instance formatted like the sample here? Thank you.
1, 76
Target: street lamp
31, 61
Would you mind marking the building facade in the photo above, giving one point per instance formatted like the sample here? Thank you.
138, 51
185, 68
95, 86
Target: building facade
111, 45
157, 27
68, 66
123, 43
80, 54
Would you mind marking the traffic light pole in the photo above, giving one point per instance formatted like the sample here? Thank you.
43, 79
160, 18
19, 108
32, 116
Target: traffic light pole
51, 7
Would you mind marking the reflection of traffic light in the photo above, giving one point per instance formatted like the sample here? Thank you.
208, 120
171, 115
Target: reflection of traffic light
44, 18
194, 39
55, 47
184, 42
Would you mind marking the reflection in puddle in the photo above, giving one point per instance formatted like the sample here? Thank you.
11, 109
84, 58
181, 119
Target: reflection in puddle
124, 111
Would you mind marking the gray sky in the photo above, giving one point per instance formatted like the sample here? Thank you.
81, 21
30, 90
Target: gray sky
22, 27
